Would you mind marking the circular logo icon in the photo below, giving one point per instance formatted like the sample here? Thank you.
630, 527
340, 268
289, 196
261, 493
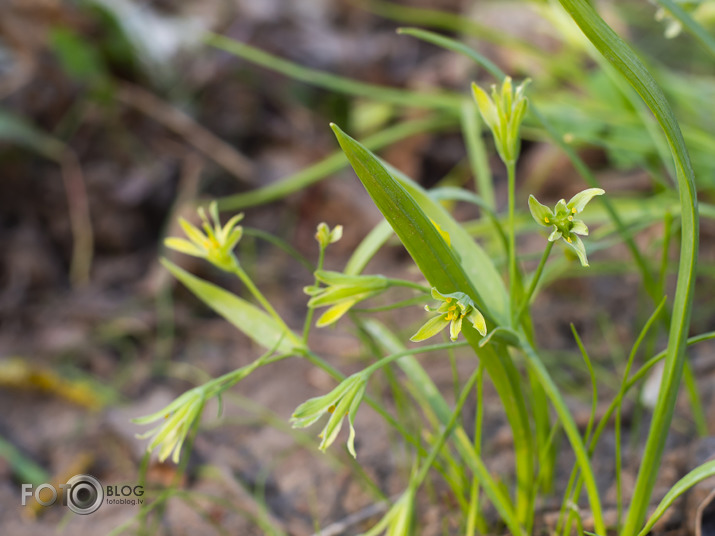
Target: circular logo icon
85, 494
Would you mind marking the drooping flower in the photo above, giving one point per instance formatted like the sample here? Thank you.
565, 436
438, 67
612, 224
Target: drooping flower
455, 307
503, 114
342, 401
215, 243
179, 417
562, 220
342, 292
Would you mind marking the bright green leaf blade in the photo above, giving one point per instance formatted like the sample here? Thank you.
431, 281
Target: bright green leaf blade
472, 259
333, 82
612, 47
248, 318
695, 476
413, 215
420, 237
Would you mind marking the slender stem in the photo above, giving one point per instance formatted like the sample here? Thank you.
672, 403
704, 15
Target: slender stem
311, 311
511, 171
534, 281
408, 284
253, 289
397, 305
422, 349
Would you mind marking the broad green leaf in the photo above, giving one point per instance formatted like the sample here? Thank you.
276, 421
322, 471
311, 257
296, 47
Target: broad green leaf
444, 271
473, 260
248, 318
422, 240
413, 215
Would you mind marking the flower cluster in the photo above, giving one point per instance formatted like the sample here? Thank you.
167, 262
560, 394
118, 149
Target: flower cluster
179, 417
215, 243
503, 114
455, 307
342, 401
342, 292
562, 220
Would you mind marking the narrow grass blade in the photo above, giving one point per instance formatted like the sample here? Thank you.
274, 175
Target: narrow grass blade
681, 486
331, 164
428, 392
334, 82
420, 224
612, 47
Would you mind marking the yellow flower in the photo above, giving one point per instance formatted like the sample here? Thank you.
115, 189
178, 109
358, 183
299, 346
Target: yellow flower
562, 220
215, 243
342, 292
455, 308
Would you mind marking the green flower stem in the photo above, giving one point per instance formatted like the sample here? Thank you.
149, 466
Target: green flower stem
253, 289
228, 380
511, 171
409, 284
311, 310
534, 281
417, 300
422, 349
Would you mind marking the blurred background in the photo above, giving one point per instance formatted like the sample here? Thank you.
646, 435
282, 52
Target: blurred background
118, 116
